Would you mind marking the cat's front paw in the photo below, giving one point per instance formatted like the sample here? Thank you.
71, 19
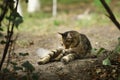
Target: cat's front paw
40, 62
65, 51
68, 58
65, 60
44, 60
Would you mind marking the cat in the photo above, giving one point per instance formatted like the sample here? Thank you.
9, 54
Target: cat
76, 45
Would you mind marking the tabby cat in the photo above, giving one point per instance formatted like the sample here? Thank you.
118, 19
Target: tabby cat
76, 45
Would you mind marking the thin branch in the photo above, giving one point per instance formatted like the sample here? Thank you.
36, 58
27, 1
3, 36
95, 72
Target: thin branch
8, 41
111, 15
5, 5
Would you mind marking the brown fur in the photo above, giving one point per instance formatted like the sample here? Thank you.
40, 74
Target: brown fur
76, 45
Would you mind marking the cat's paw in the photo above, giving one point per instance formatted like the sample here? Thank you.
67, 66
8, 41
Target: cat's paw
68, 58
65, 60
65, 52
44, 60
40, 62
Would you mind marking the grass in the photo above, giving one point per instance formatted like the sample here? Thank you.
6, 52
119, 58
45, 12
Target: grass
49, 2
50, 24
43, 23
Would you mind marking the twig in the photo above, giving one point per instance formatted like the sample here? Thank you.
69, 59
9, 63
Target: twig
4, 11
111, 15
8, 41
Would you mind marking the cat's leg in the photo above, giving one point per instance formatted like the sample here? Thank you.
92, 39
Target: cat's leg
68, 58
44, 60
47, 58
58, 57
52, 56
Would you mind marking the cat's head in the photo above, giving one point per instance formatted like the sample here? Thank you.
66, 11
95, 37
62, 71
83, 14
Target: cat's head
68, 38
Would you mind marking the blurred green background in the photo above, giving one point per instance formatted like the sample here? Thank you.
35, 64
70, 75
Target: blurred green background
70, 14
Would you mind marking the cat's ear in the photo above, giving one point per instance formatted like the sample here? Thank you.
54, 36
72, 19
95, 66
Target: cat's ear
60, 33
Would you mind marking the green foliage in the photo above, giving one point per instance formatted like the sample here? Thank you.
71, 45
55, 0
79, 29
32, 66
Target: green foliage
15, 18
17, 68
24, 77
119, 76
1, 29
2, 42
98, 3
1, 34
35, 76
26, 1
72, 1
100, 51
57, 22
28, 66
23, 54
99, 6
117, 49
12, 78
109, 54
106, 62
5, 70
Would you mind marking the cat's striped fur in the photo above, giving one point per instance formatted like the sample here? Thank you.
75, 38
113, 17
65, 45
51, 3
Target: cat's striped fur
76, 45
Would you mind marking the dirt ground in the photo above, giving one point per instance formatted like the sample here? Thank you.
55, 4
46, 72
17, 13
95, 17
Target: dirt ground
99, 36
106, 37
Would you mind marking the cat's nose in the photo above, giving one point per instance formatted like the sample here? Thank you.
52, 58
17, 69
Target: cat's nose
69, 36
68, 39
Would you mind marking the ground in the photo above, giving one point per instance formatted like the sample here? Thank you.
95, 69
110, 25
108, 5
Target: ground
43, 33
105, 36
47, 38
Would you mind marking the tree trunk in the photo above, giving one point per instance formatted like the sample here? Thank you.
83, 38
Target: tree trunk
54, 8
33, 6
